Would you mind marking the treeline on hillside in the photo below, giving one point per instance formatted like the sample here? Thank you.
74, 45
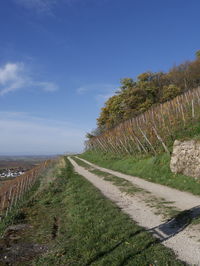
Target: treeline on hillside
135, 97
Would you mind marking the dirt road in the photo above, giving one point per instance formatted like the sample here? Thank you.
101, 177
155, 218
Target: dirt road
178, 233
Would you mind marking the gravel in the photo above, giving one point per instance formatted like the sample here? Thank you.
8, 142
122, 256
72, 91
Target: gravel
176, 233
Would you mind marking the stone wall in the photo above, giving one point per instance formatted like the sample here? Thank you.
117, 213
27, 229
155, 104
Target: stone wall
186, 158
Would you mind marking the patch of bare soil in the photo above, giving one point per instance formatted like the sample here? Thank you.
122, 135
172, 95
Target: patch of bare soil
14, 250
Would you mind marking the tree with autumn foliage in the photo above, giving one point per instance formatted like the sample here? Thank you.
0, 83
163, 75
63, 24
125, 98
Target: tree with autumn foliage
150, 88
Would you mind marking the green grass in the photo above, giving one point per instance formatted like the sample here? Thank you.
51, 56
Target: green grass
163, 207
124, 185
153, 168
91, 229
160, 205
82, 163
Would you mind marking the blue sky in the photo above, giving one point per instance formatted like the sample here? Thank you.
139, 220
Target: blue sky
61, 59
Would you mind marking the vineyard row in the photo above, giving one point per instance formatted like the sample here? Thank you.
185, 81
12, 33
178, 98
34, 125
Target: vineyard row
13, 190
152, 131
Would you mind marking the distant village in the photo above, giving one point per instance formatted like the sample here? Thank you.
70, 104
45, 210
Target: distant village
9, 173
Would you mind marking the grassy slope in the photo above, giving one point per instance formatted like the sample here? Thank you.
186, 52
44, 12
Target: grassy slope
152, 168
91, 229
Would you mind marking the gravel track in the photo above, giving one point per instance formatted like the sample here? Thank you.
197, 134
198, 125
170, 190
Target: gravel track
177, 235
182, 200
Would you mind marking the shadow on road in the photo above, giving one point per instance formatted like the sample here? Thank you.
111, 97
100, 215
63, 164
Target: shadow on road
176, 224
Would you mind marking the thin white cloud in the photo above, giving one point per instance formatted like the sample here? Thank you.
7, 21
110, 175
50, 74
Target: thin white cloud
20, 133
40, 6
102, 98
94, 88
47, 6
13, 76
47, 86
100, 92
82, 90
44, 7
